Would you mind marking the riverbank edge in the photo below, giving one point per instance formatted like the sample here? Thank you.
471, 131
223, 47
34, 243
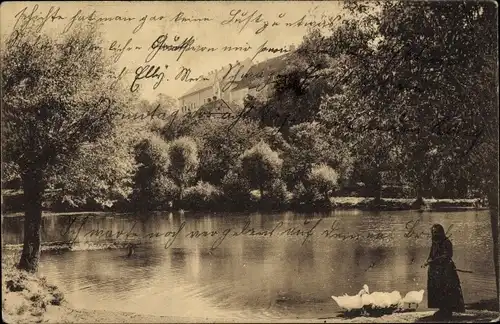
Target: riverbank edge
336, 204
29, 298
70, 315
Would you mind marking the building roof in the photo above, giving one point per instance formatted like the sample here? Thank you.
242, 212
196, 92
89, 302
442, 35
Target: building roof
207, 82
237, 68
217, 107
263, 70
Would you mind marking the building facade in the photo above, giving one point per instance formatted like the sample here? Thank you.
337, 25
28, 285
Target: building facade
234, 82
218, 84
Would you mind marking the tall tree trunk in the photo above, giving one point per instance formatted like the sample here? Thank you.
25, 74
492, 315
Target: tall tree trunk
493, 205
419, 190
420, 176
181, 196
261, 188
33, 193
377, 188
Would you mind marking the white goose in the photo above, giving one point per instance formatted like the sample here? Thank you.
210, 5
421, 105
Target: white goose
366, 298
381, 299
414, 297
395, 297
350, 302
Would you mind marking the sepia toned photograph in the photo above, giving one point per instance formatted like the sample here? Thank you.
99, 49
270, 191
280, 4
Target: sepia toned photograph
249, 161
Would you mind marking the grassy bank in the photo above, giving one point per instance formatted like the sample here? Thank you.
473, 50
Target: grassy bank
29, 298
25, 296
432, 204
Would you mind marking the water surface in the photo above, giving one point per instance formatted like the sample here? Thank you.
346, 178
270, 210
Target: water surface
282, 275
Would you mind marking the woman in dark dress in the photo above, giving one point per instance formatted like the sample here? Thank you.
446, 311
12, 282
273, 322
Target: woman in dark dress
443, 285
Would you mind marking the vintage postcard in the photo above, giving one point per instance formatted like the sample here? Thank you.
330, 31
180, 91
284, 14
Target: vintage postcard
249, 161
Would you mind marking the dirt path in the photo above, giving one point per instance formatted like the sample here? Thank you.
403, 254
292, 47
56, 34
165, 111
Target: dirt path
64, 314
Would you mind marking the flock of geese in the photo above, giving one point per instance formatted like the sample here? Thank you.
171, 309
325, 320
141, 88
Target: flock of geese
378, 300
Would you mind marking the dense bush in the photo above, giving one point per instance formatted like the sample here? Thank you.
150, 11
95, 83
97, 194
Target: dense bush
235, 190
277, 194
158, 195
152, 152
201, 196
322, 181
260, 166
300, 195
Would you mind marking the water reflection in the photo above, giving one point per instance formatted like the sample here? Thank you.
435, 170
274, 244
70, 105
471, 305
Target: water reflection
251, 276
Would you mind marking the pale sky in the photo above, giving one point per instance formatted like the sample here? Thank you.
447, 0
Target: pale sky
211, 33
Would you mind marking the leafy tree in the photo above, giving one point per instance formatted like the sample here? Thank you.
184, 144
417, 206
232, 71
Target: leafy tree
184, 161
165, 103
433, 75
10, 173
301, 85
180, 125
162, 110
309, 143
255, 107
221, 142
57, 107
152, 189
431, 84
347, 112
260, 165
323, 180
101, 174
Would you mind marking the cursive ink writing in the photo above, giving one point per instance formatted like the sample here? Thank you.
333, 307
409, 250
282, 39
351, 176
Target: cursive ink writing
236, 48
243, 18
173, 235
326, 21
188, 44
219, 240
94, 18
246, 230
180, 17
332, 232
24, 19
148, 72
119, 50
235, 72
109, 234
294, 231
411, 227
185, 73
118, 78
304, 231
69, 228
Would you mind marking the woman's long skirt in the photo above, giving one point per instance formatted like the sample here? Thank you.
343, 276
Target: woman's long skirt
443, 288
